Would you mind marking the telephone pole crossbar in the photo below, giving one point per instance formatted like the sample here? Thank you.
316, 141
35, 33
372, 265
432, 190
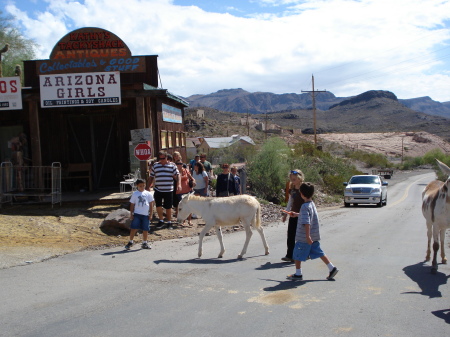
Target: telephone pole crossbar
313, 94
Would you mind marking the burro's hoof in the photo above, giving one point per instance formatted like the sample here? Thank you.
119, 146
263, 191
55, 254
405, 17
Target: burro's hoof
239, 257
267, 253
220, 256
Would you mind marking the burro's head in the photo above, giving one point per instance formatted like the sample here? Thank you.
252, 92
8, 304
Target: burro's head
183, 208
445, 169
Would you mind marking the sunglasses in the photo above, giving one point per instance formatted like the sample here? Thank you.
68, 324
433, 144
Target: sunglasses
162, 158
295, 172
179, 164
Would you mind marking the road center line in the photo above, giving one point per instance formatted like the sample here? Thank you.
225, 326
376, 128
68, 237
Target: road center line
405, 195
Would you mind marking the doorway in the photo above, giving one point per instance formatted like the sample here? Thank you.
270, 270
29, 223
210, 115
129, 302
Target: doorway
94, 139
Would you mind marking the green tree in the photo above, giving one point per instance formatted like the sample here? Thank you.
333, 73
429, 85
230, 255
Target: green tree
20, 48
268, 170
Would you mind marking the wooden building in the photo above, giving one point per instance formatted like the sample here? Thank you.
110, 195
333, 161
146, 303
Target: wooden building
71, 130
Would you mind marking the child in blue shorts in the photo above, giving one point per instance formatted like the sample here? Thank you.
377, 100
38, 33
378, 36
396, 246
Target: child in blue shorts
307, 237
141, 209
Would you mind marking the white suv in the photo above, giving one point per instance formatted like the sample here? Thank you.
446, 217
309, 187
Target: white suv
365, 189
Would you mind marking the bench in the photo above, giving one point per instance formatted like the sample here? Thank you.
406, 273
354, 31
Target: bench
79, 171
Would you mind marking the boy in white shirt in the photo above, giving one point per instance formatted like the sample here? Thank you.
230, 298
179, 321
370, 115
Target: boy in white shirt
141, 209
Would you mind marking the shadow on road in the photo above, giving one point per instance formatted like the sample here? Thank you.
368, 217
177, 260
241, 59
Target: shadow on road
270, 265
443, 314
288, 284
122, 251
205, 261
427, 282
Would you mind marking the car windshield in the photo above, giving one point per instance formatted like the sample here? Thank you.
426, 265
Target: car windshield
365, 180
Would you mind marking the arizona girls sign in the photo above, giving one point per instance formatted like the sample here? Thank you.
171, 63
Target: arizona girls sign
10, 93
80, 89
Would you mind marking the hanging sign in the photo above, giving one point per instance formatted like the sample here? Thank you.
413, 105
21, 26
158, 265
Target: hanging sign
80, 89
10, 93
171, 114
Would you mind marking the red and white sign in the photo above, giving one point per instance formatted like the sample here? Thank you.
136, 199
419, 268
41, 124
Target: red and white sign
10, 93
143, 152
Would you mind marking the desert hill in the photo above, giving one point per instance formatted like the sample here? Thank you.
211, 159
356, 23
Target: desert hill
239, 100
373, 111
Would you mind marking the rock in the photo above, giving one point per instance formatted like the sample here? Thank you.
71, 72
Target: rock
117, 222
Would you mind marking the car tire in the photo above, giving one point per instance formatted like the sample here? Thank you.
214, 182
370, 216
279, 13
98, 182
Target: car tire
385, 201
346, 204
380, 204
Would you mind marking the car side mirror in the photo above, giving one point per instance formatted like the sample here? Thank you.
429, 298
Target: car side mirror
345, 184
385, 183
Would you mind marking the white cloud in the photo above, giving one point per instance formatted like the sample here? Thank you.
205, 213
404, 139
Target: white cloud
351, 46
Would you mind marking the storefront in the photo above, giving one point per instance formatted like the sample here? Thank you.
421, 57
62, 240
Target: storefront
81, 105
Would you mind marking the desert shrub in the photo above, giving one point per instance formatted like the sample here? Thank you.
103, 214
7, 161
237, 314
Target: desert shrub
328, 171
371, 159
267, 171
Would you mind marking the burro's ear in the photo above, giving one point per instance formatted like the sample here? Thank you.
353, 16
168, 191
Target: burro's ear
444, 168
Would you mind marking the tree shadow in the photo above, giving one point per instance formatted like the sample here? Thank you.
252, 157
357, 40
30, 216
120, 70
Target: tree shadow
270, 265
122, 251
443, 314
205, 261
427, 282
288, 284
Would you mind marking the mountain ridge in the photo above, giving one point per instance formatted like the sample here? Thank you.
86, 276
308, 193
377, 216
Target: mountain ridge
242, 101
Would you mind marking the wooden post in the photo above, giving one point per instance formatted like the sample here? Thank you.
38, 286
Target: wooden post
35, 134
140, 121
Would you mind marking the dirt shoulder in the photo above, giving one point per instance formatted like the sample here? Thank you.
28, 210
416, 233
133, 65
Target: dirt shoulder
33, 233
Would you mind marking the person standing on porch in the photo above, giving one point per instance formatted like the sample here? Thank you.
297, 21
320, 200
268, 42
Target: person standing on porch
162, 175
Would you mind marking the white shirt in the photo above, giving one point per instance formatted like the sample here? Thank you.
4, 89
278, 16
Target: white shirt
141, 201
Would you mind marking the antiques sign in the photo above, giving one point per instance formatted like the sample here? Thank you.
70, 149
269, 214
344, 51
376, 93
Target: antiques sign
82, 89
10, 93
90, 49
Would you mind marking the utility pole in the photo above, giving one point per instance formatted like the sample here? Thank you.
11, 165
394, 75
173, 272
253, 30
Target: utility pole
265, 127
248, 125
313, 94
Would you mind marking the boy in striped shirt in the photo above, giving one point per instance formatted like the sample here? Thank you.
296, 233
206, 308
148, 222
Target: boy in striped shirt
307, 237
162, 175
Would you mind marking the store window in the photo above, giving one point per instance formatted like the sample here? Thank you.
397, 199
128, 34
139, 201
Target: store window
163, 139
170, 139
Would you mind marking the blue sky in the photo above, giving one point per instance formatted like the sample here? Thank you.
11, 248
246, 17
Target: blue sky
350, 46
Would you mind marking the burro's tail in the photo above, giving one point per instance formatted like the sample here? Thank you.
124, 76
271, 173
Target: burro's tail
258, 216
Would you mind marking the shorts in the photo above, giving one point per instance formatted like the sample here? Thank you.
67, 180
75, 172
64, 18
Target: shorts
303, 250
140, 222
201, 192
177, 199
168, 199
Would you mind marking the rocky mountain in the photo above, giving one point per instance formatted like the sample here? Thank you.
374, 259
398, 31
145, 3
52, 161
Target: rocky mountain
239, 100
428, 106
372, 111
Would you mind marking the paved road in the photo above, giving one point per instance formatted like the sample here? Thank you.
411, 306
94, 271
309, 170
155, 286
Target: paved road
383, 288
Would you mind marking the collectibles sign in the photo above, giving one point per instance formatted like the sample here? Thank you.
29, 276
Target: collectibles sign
10, 93
171, 114
82, 89
91, 49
